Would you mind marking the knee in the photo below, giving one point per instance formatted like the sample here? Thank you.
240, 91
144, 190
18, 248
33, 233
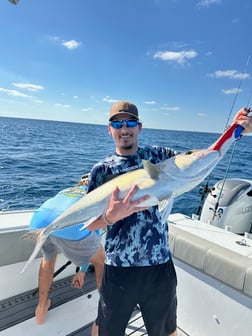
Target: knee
48, 264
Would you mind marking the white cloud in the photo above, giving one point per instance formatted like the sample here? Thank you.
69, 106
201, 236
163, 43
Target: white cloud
207, 3
234, 74
86, 109
14, 93
201, 114
179, 57
29, 87
152, 102
172, 108
62, 105
107, 99
231, 91
71, 44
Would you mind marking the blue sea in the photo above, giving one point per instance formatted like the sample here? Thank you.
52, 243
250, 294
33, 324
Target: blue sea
38, 158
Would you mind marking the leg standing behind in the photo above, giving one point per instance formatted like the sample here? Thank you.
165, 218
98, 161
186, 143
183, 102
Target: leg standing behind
98, 261
45, 281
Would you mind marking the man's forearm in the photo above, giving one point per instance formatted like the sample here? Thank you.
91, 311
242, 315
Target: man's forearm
99, 223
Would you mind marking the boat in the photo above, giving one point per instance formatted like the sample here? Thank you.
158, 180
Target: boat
212, 252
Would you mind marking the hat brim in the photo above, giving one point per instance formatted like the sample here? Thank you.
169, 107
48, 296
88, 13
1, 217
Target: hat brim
123, 112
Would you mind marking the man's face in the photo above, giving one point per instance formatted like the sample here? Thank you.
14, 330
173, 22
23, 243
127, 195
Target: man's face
126, 137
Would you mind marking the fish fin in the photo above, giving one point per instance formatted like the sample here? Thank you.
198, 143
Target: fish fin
87, 222
165, 207
152, 170
33, 234
41, 238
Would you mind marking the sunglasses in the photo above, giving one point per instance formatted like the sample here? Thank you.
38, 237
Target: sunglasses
117, 124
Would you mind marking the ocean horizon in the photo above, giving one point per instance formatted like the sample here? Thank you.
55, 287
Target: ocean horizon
38, 158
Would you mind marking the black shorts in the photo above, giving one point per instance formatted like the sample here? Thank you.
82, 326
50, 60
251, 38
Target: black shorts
153, 288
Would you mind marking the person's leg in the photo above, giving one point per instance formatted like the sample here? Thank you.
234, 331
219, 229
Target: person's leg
158, 301
94, 330
118, 298
45, 281
173, 334
97, 260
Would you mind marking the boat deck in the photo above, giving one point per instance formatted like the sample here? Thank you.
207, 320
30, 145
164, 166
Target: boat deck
72, 311
19, 310
212, 267
21, 307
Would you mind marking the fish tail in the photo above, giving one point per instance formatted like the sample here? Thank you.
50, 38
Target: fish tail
41, 238
33, 234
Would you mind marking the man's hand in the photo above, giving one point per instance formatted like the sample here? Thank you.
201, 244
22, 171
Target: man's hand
122, 208
242, 118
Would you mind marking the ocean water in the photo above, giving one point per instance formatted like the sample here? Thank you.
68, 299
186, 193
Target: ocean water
39, 158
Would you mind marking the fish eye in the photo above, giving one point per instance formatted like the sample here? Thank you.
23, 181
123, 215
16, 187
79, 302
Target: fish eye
189, 152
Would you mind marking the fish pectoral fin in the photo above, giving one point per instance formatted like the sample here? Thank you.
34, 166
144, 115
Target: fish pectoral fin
164, 208
152, 170
88, 222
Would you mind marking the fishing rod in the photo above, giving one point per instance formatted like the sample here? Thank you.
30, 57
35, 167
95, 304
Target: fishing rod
56, 273
239, 129
205, 190
238, 90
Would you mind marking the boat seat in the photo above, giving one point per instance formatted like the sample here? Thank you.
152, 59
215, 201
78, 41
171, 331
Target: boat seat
212, 259
13, 248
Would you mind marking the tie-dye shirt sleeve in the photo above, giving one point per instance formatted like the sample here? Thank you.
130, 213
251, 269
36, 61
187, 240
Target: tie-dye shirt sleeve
140, 239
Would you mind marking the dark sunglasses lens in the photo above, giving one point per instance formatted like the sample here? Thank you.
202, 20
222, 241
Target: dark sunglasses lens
131, 123
119, 123
116, 124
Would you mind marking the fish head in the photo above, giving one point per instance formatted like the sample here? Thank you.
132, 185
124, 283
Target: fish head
193, 165
196, 163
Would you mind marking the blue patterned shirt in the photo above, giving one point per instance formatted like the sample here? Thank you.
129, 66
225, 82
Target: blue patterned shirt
140, 239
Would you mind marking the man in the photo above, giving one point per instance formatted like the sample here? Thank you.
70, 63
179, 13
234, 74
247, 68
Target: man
138, 265
79, 246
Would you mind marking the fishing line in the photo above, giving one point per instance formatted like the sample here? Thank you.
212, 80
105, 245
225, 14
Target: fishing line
238, 90
205, 188
248, 103
224, 180
234, 144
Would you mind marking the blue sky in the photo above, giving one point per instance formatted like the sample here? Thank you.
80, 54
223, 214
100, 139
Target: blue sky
182, 62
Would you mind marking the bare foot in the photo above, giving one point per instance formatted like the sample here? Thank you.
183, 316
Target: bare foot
41, 312
94, 330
